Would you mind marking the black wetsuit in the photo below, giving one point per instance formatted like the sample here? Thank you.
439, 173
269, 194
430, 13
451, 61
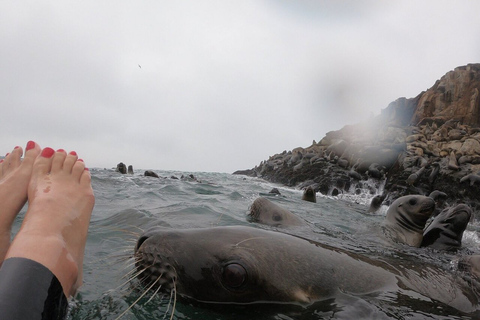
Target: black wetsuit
29, 291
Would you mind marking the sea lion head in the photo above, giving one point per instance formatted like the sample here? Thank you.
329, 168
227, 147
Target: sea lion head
266, 212
225, 265
446, 230
309, 194
406, 218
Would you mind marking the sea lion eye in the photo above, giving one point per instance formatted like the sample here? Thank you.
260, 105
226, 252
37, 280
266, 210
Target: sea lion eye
276, 217
234, 275
412, 201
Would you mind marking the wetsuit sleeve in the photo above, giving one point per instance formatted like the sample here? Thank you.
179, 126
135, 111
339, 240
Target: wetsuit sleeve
29, 290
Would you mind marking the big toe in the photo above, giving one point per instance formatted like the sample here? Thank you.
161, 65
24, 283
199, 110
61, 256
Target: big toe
31, 153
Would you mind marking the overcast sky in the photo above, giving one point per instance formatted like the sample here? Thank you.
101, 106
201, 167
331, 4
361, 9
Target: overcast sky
215, 85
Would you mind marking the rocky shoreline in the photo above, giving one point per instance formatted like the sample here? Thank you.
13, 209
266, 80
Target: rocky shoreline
415, 146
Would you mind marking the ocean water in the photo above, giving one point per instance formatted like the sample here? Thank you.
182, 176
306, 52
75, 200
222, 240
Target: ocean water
126, 205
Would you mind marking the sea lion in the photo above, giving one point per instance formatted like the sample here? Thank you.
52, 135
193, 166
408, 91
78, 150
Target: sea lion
415, 176
406, 218
472, 178
150, 173
439, 197
245, 265
376, 203
445, 232
130, 169
374, 171
309, 194
354, 174
266, 212
275, 191
452, 161
122, 168
434, 172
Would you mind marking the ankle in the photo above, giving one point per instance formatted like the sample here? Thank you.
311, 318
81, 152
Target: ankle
50, 251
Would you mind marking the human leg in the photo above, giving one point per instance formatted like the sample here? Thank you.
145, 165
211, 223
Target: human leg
14, 178
55, 227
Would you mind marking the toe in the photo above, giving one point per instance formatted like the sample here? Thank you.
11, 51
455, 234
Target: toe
12, 160
31, 152
15, 158
78, 169
58, 160
43, 163
70, 160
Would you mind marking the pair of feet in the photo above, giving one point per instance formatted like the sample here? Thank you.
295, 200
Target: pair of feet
60, 202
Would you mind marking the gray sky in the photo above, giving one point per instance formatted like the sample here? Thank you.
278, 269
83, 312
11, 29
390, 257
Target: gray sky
222, 84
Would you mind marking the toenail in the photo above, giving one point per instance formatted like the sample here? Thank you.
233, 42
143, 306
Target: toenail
47, 152
60, 150
16, 147
7, 154
73, 153
80, 160
30, 145
86, 169
1, 160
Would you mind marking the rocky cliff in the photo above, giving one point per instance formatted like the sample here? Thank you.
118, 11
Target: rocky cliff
415, 146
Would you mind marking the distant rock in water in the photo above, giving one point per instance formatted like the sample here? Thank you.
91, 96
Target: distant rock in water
433, 138
130, 169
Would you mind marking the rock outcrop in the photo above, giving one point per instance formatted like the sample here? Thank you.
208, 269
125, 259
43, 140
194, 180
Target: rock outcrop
415, 146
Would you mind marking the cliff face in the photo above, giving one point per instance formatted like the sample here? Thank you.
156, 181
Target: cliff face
434, 137
454, 96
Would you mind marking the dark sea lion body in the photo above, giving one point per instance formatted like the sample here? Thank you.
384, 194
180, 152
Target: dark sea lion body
446, 230
406, 218
122, 168
150, 173
244, 265
266, 212
376, 203
309, 194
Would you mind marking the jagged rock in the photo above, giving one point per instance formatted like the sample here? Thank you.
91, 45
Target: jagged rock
435, 136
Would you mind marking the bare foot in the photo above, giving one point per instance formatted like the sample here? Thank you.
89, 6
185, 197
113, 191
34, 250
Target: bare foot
14, 178
60, 204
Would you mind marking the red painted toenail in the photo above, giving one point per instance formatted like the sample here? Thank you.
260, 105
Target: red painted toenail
60, 150
80, 160
7, 154
30, 145
47, 152
73, 153
1, 160
16, 147
86, 169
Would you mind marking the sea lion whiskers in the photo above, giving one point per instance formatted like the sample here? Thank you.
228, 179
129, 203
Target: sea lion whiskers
244, 240
173, 294
156, 291
130, 278
136, 301
131, 271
